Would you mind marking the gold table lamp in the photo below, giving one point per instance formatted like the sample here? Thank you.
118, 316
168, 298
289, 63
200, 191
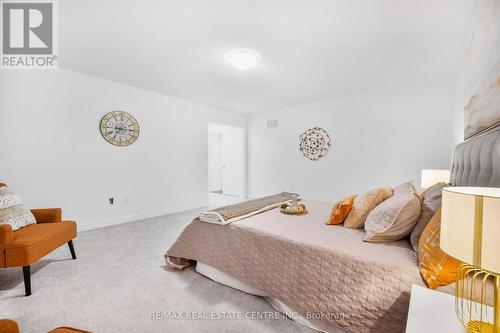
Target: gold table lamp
470, 232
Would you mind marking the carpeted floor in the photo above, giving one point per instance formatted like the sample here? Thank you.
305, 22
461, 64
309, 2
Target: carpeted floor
119, 279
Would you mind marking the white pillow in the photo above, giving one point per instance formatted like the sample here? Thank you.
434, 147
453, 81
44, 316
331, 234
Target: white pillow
394, 218
13, 211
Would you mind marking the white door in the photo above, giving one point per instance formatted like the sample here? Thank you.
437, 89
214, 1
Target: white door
232, 161
214, 162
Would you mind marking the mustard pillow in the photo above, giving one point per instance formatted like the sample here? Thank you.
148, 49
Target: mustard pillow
340, 210
364, 204
436, 267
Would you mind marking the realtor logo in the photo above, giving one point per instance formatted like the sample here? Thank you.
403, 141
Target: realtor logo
28, 34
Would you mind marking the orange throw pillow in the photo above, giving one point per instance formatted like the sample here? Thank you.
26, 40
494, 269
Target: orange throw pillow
436, 267
340, 210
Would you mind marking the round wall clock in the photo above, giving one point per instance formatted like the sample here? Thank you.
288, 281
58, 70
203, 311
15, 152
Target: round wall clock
119, 128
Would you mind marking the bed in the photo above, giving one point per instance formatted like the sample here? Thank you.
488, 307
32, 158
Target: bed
326, 275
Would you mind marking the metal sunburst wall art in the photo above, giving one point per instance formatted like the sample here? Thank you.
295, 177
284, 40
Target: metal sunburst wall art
314, 143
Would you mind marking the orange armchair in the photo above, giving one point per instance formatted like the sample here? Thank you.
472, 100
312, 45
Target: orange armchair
25, 246
10, 326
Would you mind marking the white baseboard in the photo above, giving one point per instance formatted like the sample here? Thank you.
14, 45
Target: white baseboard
137, 217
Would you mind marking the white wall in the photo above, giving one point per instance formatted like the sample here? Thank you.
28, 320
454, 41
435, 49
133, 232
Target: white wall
382, 136
53, 155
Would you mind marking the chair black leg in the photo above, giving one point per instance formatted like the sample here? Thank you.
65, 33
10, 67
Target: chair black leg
27, 280
72, 249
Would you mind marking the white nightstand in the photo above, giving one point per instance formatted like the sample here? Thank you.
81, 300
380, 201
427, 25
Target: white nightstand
432, 312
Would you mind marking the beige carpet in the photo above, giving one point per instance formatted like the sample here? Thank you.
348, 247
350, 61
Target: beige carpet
118, 279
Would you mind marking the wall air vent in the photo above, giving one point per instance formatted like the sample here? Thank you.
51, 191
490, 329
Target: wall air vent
272, 123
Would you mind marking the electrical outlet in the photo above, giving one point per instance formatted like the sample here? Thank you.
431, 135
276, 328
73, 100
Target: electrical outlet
125, 200
111, 201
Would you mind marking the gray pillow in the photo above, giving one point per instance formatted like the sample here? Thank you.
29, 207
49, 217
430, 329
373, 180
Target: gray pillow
394, 218
431, 202
13, 211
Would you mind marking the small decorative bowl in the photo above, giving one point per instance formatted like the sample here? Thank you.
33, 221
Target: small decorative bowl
293, 210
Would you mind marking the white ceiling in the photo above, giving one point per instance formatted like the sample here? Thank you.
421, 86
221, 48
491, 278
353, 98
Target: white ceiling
311, 49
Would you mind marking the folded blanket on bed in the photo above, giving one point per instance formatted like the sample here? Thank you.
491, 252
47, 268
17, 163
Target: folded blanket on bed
236, 212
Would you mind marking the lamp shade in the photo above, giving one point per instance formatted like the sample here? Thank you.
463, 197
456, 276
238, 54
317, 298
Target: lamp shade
431, 176
470, 225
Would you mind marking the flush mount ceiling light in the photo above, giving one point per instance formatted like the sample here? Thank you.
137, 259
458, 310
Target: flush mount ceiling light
243, 58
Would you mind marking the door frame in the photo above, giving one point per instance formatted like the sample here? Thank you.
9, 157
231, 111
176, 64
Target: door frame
210, 124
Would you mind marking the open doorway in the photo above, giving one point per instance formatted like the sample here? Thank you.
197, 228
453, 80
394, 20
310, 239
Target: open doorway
225, 164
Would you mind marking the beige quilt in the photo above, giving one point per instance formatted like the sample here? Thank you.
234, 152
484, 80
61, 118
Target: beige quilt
322, 269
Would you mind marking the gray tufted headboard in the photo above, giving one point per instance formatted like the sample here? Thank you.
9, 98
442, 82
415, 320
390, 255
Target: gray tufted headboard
476, 162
